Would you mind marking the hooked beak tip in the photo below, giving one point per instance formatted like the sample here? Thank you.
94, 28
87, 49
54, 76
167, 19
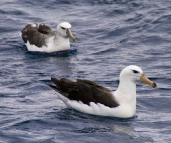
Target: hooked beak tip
74, 39
145, 80
154, 85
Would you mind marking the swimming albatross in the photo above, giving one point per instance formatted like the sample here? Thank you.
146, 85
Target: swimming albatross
88, 97
42, 39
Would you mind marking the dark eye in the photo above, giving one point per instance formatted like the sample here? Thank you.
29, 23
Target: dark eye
134, 71
63, 28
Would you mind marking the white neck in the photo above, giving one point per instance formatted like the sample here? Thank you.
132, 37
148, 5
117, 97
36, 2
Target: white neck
58, 35
58, 43
127, 92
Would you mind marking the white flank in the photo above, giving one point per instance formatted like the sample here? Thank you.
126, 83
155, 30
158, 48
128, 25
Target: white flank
51, 46
35, 48
122, 111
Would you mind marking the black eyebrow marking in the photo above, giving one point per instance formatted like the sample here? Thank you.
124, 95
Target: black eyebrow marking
135, 71
63, 28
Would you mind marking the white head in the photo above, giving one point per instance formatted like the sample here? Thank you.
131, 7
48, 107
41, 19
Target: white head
133, 74
126, 92
63, 29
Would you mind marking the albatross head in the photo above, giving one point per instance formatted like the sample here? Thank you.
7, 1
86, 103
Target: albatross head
64, 30
134, 73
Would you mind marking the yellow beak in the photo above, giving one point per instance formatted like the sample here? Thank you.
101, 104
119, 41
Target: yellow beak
69, 34
145, 80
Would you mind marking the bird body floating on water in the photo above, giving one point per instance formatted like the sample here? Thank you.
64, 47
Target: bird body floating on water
88, 97
41, 38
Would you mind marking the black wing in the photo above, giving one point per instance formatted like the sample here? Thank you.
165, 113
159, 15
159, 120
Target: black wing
85, 91
36, 35
44, 29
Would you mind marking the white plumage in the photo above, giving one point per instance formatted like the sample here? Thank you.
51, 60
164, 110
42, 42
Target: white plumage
41, 38
124, 96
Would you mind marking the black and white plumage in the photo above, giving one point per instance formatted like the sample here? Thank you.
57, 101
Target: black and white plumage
42, 39
88, 97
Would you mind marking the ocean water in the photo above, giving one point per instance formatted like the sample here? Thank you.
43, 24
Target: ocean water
111, 34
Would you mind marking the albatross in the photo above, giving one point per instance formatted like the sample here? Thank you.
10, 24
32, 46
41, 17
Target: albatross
89, 97
40, 37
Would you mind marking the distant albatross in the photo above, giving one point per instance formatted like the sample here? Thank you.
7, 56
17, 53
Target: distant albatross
42, 39
88, 97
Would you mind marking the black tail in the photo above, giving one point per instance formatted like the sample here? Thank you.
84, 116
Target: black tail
56, 82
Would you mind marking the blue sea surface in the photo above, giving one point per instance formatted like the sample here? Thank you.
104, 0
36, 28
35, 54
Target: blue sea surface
111, 34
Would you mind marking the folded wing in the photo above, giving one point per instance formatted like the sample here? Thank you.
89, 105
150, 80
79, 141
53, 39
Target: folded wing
36, 34
85, 91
